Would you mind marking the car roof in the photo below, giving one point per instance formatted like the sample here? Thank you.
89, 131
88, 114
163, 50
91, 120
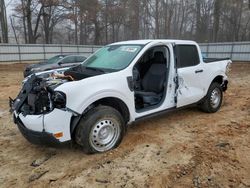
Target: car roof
144, 42
66, 55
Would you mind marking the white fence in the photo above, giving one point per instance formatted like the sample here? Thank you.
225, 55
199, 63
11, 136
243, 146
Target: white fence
237, 51
36, 52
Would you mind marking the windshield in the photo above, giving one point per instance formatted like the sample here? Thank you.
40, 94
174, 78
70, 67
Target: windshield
55, 59
115, 57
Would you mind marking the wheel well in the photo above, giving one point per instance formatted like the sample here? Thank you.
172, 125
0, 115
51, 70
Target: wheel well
223, 83
218, 79
117, 104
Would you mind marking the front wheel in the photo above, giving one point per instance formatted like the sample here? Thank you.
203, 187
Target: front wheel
213, 99
100, 130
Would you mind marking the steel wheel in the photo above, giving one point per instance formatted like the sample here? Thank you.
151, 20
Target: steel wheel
104, 135
100, 129
215, 98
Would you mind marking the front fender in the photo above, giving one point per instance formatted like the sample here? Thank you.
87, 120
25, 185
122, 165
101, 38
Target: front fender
81, 94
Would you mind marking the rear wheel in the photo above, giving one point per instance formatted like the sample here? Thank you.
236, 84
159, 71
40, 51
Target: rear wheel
100, 130
213, 99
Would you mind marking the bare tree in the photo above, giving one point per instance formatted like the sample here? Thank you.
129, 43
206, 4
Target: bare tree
14, 29
24, 20
33, 32
105, 21
52, 14
134, 18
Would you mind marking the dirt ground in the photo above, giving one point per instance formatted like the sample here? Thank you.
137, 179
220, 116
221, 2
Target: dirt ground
187, 148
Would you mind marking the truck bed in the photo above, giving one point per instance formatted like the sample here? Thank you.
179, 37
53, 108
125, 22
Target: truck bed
211, 60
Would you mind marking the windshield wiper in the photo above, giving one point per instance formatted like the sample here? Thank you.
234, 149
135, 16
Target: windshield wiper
95, 69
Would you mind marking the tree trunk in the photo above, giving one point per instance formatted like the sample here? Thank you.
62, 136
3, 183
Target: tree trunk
29, 22
76, 23
157, 25
106, 21
24, 22
97, 32
51, 36
81, 30
32, 35
183, 12
13, 28
217, 14
3, 20
46, 27
198, 21
135, 19
239, 20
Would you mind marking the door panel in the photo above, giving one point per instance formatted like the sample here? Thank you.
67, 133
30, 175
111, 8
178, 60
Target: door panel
190, 72
190, 85
167, 98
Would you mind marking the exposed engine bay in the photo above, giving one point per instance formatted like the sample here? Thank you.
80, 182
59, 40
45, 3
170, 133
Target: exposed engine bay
38, 95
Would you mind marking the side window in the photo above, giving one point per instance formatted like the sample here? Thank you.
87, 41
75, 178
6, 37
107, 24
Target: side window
187, 55
70, 59
154, 55
80, 58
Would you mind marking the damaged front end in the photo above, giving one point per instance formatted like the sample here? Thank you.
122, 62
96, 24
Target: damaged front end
38, 96
40, 112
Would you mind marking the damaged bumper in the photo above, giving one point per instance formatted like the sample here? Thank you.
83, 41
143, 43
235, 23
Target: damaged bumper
35, 137
49, 129
40, 112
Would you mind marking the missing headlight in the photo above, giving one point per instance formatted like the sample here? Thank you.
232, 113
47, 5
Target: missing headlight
59, 99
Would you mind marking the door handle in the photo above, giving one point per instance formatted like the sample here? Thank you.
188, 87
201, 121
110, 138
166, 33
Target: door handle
199, 71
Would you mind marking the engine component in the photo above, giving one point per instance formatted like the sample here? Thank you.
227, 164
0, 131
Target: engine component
58, 99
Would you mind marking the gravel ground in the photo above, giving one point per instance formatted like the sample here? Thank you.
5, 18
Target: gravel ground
187, 148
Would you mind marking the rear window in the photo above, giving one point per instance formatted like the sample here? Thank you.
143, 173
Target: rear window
187, 55
69, 59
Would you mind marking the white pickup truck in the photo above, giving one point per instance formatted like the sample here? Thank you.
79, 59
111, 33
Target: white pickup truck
121, 83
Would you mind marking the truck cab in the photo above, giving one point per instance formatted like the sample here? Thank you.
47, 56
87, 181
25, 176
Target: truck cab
119, 84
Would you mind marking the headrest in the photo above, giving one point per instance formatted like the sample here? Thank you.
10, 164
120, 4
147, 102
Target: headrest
159, 57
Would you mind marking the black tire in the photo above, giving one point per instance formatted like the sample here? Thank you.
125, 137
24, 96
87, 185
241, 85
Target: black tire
90, 123
207, 104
